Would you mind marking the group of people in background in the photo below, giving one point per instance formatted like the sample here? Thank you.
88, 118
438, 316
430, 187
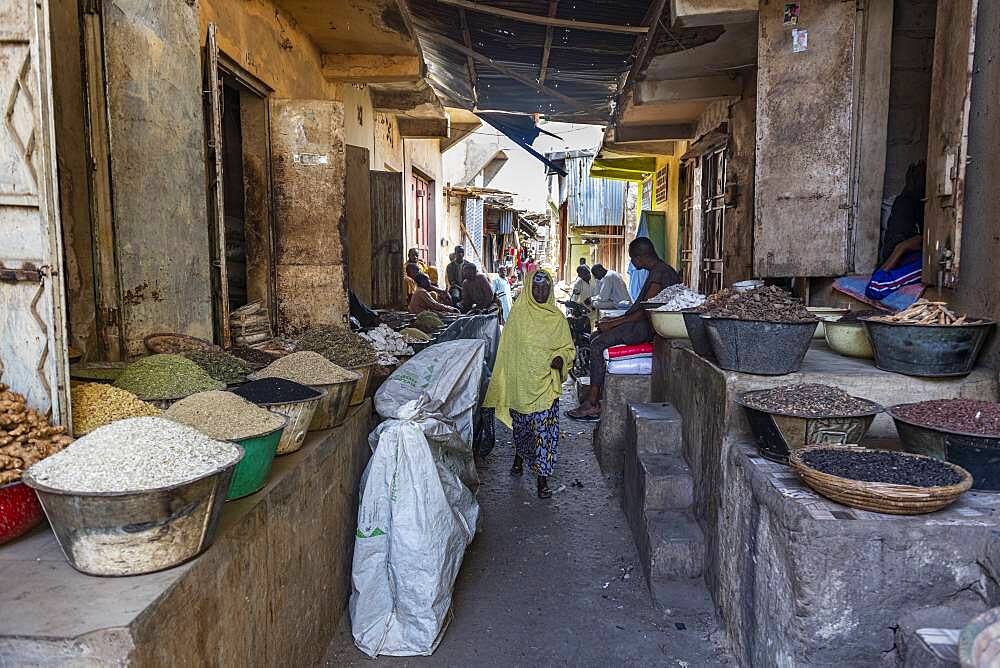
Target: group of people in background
599, 288
466, 289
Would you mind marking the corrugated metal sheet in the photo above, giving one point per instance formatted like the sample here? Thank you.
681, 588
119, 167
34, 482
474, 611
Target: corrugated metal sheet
592, 202
506, 222
474, 230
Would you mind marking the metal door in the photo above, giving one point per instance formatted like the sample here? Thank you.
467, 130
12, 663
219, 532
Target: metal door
947, 140
387, 239
713, 258
33, 325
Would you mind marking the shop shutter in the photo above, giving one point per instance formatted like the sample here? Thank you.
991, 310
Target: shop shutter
474, 230
33, 327
947, 140
388, 216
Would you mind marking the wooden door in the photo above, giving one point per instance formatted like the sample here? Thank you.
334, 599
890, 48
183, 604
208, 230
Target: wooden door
805, 115
420, 191
388, 214
216, 202
33, 325
947, 140
359, 222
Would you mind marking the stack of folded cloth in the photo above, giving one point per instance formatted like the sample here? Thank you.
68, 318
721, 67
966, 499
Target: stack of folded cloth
630, 359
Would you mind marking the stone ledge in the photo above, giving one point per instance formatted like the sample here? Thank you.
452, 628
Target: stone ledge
270, 590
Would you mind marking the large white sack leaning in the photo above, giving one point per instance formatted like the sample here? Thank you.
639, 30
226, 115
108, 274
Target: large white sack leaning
416, 516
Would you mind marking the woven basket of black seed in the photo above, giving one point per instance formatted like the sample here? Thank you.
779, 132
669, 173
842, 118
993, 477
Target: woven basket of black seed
789, 417
880, 481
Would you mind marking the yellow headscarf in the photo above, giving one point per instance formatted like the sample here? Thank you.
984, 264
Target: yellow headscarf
523, 379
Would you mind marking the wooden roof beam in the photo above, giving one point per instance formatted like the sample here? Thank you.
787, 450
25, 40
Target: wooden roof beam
546, 50
546, 20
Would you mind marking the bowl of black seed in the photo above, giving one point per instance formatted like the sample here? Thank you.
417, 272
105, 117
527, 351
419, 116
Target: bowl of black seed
965, 432
789, 417
881, 481
295, 401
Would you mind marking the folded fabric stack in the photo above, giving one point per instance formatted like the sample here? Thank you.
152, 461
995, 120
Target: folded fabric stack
630, 359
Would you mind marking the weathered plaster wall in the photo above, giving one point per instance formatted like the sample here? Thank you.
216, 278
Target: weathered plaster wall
388, 145
978, 291
738, 241
153, 63
74, 194
265, 41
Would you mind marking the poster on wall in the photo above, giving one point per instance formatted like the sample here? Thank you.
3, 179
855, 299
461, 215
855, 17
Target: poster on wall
790, 15
800, 40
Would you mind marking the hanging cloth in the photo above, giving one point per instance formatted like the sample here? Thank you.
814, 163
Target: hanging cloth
523, 379
637, 277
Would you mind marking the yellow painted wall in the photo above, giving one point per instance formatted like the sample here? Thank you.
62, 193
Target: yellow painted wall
671, 207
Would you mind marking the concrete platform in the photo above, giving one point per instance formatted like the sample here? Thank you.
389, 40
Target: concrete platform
610, 437
799, 580
270, 591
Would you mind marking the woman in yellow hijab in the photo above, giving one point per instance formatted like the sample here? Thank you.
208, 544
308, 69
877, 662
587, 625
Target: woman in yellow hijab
535, 355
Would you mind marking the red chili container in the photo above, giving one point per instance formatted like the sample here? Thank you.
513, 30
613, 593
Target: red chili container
20, 511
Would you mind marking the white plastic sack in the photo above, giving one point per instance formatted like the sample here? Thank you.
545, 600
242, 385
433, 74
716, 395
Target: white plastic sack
634, 365
416, 515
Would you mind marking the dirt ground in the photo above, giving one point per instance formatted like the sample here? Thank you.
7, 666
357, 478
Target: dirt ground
555, 581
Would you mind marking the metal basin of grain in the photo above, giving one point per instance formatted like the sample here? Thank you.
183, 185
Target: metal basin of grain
935, 351
757, 346
977, 454
780, 433
332, 410
251, 473
849, 339
130, 533
300, 415
361, 388
668, 324
695, 327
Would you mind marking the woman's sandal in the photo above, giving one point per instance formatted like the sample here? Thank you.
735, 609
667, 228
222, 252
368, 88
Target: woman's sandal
543, 488
518, 467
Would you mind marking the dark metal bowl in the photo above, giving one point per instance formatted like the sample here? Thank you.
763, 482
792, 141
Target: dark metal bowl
759, 347
778, 434
696, 332
927, 350
977, 454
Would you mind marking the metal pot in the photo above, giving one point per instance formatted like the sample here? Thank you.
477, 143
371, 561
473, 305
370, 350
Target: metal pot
849, 339
361, 389
300, 414
927, 350
977, 454
130, 533
778, 434
668, 324
332, 410
757, 346
252, 471
695, 326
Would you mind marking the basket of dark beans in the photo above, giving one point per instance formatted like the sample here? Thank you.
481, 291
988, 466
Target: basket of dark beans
880, 481
786, 418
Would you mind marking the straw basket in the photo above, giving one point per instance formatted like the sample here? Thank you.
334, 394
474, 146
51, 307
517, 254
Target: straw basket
876, 496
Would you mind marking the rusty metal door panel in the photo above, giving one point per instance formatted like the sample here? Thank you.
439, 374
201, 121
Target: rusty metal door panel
947, 139
216, 208
804, 142
32, 308
388, 215
359, 222
309, 176
156, 123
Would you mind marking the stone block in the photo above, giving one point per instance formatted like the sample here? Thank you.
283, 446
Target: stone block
928, 637
610, 437
656, 428
667, 482
676, 545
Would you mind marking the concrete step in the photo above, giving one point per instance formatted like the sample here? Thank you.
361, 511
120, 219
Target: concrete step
928, 637
680, 596
676, 545
655, 428
666, 482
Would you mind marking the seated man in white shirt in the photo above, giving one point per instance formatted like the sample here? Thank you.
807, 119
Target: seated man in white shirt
611, 290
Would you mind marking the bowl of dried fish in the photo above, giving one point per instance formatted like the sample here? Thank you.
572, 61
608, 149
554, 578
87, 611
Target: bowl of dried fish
927, 339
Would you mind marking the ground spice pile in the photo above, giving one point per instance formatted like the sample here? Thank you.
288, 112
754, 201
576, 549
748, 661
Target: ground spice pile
963, 415
98, 404
414, 335
809, 400
267, 391
165, 377
26, 436
134, 455
220, 365
882, 466
677, 297
224, 415
769, 303
307, 368
255, 359
340, 346
428, 321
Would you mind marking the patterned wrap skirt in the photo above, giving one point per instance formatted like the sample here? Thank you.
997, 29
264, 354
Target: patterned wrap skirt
536, 438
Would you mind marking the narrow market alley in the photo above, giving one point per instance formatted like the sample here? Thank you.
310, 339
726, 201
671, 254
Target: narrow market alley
558, 581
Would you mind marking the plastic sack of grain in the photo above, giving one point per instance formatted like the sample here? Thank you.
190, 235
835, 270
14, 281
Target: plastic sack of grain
416, 515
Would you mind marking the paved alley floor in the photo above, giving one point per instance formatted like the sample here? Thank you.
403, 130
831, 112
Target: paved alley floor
555, 582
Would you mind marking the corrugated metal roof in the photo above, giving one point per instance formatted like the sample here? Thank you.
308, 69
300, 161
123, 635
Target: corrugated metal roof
592, 202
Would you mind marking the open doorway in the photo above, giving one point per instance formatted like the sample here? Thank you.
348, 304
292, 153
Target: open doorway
234, 209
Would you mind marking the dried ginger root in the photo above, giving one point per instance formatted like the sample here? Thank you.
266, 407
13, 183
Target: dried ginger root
26, 436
